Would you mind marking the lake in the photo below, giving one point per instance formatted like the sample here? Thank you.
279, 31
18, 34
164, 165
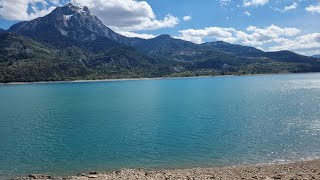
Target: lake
70, 128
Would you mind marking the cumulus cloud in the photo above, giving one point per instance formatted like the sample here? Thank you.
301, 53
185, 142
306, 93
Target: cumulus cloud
272, 38
121, 15
127, 15
253, 36
259, 36
187, 18
313, 8
273, 31
132, 34
308, 42
18, 9
197, 35
247, 3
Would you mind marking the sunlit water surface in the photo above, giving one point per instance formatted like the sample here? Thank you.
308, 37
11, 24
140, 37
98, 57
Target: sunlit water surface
69, 128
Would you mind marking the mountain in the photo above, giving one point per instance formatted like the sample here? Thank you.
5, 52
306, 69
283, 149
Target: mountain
316, 56
235, 49
288, 56
71, 21
71, 43
2, 30
167, 47
22, 59
72, 25
76, 26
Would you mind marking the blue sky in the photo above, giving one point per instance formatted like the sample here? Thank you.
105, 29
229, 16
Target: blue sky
270, 25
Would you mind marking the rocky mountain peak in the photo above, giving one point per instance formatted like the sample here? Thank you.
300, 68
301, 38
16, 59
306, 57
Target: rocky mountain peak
72, 9
79, 14
75, 22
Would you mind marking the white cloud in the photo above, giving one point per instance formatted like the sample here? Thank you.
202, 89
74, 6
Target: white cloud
18, 9
187, 18
197, 35
247, 3
313, 8
247, 13
258, 36
272, 31
121, 15
308, 42
132, 34
291, 7
311, 52
272, 38
254, 35
127, 15
287, 8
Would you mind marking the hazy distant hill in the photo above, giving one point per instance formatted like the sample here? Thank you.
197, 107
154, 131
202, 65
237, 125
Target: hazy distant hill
72, 43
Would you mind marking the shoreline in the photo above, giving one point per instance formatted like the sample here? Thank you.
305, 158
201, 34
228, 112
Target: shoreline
109, 80
309, 169
143, 79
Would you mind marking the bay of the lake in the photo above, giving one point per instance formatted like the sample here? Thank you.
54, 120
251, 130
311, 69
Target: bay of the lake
70, 128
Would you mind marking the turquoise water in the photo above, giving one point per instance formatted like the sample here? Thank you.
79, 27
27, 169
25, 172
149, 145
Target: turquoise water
69, 128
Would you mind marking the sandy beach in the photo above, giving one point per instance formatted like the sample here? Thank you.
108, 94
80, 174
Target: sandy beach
291, 171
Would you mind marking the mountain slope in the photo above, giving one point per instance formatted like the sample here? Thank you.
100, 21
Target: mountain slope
221, 57
22, 59
70, 26
235, 49
167, 47
316, 56
288, 56
74, 22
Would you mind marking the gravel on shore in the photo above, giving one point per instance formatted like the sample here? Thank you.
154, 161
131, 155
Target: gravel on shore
292, 171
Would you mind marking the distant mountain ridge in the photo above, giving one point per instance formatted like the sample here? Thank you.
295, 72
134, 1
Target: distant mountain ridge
72, 43
316, 56
234, 48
